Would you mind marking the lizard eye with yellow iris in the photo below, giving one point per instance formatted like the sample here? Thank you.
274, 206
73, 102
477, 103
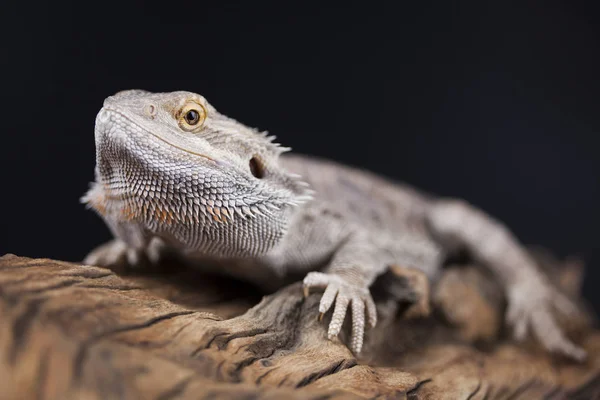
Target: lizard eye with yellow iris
192, 117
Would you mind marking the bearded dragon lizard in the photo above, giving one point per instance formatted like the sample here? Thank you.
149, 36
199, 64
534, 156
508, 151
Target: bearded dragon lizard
174, 173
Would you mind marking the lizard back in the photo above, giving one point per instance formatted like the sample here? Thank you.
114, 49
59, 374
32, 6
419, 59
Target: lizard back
367, 198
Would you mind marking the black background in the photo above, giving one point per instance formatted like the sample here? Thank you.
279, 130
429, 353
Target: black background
496, 103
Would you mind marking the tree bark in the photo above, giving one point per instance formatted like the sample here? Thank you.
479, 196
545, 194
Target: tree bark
69, 331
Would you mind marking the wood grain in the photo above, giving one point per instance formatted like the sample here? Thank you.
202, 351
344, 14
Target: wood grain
69, 331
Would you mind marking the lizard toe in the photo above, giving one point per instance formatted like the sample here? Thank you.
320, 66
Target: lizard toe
339, 314
358, 325
328, 298
317, 279
371, 311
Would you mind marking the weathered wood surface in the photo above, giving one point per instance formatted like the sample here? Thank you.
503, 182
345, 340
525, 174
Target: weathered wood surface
78, 332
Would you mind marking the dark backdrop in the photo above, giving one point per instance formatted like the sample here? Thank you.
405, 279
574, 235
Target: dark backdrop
497, 103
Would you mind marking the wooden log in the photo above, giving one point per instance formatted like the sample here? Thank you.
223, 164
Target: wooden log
69, 331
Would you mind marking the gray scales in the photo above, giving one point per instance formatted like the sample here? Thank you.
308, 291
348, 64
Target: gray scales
175, 175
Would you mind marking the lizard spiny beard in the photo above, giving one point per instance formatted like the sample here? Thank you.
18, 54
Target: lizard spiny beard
188, 201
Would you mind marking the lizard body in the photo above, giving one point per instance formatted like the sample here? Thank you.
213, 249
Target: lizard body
172, 172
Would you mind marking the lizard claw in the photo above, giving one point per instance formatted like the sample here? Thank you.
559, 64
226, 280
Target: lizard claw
532, 310
344, 294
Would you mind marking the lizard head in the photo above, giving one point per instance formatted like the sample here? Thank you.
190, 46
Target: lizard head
174, 166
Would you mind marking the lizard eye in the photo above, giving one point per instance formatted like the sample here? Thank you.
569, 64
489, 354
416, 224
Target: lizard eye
191, 117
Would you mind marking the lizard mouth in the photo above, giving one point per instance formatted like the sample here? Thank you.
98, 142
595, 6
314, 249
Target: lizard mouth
104, 117
183, 149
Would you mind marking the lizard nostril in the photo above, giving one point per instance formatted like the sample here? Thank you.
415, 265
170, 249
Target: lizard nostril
150, 110
256, 168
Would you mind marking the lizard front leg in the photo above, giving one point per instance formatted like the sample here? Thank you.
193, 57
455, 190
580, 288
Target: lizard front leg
346, 281
531, 297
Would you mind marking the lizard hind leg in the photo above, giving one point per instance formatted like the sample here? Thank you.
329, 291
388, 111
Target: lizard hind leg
535, 315
532, 300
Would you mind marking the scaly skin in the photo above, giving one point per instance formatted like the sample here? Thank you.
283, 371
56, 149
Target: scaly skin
174, 173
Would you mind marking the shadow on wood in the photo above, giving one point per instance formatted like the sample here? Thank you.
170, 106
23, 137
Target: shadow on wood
78, 332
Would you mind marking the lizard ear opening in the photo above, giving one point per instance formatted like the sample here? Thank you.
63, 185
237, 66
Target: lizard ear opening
256, 168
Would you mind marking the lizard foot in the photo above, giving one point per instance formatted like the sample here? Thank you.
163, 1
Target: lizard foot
343, 293
116, 253
533, 310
